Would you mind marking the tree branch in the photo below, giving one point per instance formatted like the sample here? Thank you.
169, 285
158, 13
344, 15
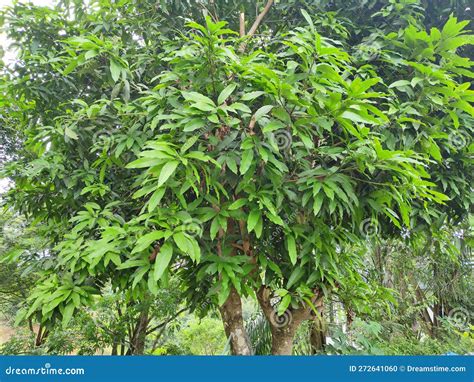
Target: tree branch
242, 24
259, 18
256, 23
166, 322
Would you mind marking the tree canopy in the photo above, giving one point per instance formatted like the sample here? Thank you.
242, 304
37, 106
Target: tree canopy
239, 150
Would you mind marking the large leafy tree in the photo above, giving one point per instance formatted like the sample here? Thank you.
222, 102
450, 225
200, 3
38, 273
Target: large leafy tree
245, 164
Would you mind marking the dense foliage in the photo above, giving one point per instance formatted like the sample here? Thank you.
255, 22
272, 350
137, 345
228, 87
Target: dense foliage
168, 158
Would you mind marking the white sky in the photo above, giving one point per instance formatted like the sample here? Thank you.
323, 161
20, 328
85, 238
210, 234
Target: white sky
10, 56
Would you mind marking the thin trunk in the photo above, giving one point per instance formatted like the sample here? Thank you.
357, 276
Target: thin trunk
349, 317
139, 336
318, 334
231, 313
256, 23
41, 336
420, 297
115, 347
242, 24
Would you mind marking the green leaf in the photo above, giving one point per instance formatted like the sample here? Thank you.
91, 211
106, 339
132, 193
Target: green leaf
162, 260
67, 314
252, 95
241, 107
318, 202
232, 165
197, 97
70, 133
264, 110
223, 294
203, 106
181, 241
273, 125
284, 303
194, 124
247, 158
152, 284
253, 219
434, 150
239, 203
194, 250
294, 277
400, 83
155, 199
72, 65
167, 170
354, 117
145, 241
133, 263
144, 163
115, 69
307, 18
291, 246
281, 292
226, 93
214, 228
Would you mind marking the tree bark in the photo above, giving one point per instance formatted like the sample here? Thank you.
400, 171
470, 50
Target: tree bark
318, 334
242, 24
255, 25
231, 312
282, 339
41, 336
137, 346
115, 348
259, 18
283, 328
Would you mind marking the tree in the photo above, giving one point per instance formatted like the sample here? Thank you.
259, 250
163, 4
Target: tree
245, 165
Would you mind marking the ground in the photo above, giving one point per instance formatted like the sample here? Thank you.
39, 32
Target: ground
5, 332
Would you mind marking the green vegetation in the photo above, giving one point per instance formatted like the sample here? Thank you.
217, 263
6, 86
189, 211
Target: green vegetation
213, 178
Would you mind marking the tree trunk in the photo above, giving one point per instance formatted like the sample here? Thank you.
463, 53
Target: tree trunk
137, 347
41, 336
115, 348
318, 335
231, 312
282, 339
283, 327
